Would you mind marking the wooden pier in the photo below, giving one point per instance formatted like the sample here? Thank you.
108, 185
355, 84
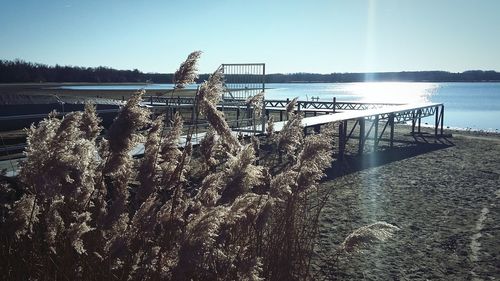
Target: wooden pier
349, 115
368, 121
371, 119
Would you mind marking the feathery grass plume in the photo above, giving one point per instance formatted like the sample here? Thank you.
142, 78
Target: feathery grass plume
257, 102
60, 163
208, 96
57, 177
281, 185
207, 146
55, 223
255, 144
170, 155
198, 250
237, 176
38, 152
239, 236
170, 146
239, 220
188, 71
211, 90
245, 209
77, 229
240, 175
270, 127
122, 134
90, 124
253, 271
290, 107
210, 189
144, 220
117, 173
315, 156
122, 137
25, 213
293, 220
367, 235
149, 164
291, 136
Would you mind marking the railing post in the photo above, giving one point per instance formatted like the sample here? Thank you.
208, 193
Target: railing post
334, 104
375, 137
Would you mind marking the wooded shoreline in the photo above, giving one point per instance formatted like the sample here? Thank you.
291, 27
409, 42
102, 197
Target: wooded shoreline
19, 71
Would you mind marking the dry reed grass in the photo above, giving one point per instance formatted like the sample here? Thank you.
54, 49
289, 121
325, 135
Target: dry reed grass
83, 209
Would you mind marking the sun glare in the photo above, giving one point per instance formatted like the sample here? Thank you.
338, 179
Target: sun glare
392, 92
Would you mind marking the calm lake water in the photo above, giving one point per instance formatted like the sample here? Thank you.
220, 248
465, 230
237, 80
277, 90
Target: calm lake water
473, 106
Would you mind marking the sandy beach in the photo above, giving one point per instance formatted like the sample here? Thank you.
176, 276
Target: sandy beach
443, 195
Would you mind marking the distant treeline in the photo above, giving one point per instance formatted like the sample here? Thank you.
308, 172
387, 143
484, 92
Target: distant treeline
19, 71
406, 76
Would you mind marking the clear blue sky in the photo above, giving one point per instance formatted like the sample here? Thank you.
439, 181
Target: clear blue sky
321, 36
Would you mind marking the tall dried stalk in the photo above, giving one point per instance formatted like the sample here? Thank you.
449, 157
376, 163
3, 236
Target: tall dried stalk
188, 71
86, 209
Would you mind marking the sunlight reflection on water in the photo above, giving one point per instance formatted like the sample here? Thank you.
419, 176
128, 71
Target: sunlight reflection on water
381, 92
392, 92
474, 106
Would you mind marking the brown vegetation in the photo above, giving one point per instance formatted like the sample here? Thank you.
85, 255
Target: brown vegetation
87, 210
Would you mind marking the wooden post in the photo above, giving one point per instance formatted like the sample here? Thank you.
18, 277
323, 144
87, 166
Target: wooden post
361, 143
238, 117
287, 102
419, 119
391, 123
334, 103
436, 123
442, 118
264, 116
342, 139
375, 134
413, 122
179, 105
192, 113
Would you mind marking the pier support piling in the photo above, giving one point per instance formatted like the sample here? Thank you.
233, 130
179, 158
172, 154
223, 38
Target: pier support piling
391, 123
362, 136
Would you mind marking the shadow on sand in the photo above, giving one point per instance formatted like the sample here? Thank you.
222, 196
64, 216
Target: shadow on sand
413, 145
